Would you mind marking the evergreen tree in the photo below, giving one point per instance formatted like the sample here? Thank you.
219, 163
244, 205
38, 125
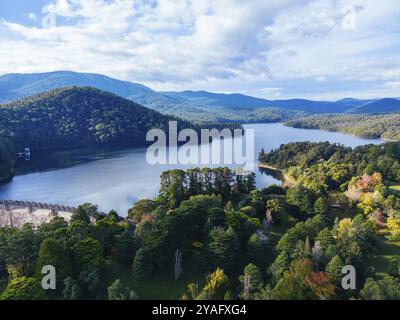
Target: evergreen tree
139, 267
53, 253
216, 286
223, 249
255, 251
23, 288
71, 290
334, 269
321, 206
251, 281
216, 216
89, 254
117, 292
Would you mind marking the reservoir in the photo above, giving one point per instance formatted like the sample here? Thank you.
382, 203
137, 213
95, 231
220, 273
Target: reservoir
115, 179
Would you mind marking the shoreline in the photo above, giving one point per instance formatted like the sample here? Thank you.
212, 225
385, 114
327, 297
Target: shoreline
344, 132
286, 179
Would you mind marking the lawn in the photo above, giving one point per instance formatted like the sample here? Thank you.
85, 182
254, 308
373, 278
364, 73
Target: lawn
389, 250
278, 230
161, 285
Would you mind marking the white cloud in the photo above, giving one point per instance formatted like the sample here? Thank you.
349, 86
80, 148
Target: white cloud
219, 45
271, 91
391, 74
393, 84
311, 41
32, 16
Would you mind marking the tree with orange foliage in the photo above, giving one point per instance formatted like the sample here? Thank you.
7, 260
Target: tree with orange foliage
300, 282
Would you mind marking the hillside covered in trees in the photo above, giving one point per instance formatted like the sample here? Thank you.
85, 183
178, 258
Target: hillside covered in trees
6, 157
79, 117
372, 126
210, 234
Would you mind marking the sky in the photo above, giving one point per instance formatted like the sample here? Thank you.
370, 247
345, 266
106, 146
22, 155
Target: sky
315, 49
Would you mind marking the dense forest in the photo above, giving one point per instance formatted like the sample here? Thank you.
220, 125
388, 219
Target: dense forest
367, 126
79, 117
240, 115
210, 234
6, 157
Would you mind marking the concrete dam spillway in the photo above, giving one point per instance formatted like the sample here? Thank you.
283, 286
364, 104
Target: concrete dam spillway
16, 213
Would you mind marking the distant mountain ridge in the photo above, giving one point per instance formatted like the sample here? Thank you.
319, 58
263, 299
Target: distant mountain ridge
346, 105
15, 86
237, 100
191, 105
386, 105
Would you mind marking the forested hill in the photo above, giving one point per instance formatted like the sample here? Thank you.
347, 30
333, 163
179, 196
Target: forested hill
386, 105
79, 117
373, 126
6, 157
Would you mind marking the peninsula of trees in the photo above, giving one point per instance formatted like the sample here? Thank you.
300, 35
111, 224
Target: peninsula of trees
366, 126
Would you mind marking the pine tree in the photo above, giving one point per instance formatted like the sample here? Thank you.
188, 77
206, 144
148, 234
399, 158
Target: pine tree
223, 249
71, 290
325, 238
321, 206
255, 251
139, 267
215, 287
117, 292
334, 269
251, 281
216, 216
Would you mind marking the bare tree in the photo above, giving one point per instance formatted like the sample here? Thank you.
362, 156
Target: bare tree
178, 264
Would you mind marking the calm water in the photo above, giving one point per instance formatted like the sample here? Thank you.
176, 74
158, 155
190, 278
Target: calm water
115, 179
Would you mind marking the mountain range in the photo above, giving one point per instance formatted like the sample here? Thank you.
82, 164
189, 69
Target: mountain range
197, 106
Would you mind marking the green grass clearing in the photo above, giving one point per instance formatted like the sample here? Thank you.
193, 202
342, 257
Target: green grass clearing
389, 250
162, 284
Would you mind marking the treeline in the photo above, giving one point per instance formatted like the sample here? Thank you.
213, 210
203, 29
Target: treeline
240, 115
372, 126
324, 167
78, 250
177, 185
7, 157
303, 154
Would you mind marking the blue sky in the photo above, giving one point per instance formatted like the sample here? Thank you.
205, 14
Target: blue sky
318, 49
